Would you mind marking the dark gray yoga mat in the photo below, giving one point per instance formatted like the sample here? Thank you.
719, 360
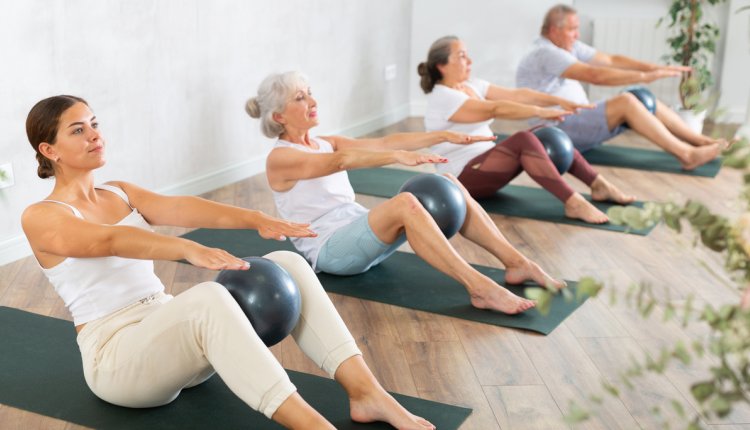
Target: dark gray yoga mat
646, 159
40, 371
511, 200
403, 279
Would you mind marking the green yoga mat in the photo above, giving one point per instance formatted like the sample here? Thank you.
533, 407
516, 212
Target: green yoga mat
403, 279
40, 371
646, 159
511, 200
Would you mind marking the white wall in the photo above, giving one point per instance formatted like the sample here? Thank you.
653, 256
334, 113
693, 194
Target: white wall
735, 94
168, 80
497, 34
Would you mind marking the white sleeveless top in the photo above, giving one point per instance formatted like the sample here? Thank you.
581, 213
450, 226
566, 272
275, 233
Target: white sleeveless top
327, 203
442, 103
95, 287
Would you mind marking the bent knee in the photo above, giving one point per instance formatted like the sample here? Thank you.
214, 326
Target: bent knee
408, 202
287, 258
625, 100
208, 294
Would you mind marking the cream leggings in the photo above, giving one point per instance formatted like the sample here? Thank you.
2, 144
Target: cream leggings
145, 354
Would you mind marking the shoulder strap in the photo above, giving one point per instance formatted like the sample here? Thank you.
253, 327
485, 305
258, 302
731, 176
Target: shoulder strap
76, 212
114, 189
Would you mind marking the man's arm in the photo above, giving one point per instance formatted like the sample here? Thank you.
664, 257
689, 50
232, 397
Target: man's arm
612, 75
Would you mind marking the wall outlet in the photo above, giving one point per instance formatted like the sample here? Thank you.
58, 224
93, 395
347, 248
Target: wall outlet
389, 73
6, 175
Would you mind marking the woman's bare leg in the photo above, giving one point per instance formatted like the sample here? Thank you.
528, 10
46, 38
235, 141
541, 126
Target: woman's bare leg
369, 402
404, 213
480, 229
296, 413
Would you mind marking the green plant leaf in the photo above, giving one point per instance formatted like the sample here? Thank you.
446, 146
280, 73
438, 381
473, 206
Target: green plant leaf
542, 296
702, 390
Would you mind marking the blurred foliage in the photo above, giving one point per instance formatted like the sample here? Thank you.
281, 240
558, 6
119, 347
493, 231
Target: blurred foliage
692, 44
727, 345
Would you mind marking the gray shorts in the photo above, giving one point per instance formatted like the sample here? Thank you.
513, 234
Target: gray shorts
588, 128
354, 249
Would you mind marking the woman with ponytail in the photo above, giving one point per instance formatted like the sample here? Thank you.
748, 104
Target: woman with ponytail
458, 102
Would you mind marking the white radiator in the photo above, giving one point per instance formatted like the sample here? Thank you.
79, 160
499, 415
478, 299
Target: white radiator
639, 39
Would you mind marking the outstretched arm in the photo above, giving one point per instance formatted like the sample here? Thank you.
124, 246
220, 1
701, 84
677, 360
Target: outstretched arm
286, 166
628, 63
532, 97
190, 211
54, 232
406, 141
474, 110
612, 70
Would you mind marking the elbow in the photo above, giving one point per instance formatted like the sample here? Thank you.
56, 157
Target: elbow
342, 160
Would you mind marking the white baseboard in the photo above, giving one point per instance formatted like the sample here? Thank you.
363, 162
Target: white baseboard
18, 247
13, 249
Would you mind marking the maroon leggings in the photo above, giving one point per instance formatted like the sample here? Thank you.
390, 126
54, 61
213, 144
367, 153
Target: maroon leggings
488, 172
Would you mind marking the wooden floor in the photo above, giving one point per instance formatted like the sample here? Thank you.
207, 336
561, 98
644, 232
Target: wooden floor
512, 379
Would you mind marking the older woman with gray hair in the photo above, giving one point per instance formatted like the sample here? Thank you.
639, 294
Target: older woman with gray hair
309, 182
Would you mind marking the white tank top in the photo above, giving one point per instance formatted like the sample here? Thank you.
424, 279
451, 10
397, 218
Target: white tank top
327, 203
95, 287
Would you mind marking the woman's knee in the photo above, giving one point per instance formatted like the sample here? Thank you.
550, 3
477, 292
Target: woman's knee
208, 295
522, 141
291, 261
407, 203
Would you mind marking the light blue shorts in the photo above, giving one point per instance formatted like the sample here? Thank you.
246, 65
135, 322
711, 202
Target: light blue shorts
354, 249
588, 128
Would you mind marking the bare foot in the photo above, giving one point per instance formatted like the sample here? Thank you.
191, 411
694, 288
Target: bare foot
530, 271
486, 294
603, 190
378, 405
700, 156
579, 208
722, 142
727, 144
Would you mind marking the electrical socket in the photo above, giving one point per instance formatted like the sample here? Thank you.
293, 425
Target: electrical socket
6, 175
389, 73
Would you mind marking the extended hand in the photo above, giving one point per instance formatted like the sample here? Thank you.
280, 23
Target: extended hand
661, 73
279, 229
554, 114
677, 68
213, 258
575, 107
410, 158
465, 139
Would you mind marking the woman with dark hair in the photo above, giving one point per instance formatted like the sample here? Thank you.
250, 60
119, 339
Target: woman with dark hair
458, 102
307, 175
139, 346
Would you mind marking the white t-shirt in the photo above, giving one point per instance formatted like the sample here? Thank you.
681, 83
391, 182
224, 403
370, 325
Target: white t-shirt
326, 203
442, 103
540, 69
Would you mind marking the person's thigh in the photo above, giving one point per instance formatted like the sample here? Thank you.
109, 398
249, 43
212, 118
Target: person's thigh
588, 128
354, 249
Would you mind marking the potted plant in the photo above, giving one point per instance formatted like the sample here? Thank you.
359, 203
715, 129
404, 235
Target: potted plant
692, 44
